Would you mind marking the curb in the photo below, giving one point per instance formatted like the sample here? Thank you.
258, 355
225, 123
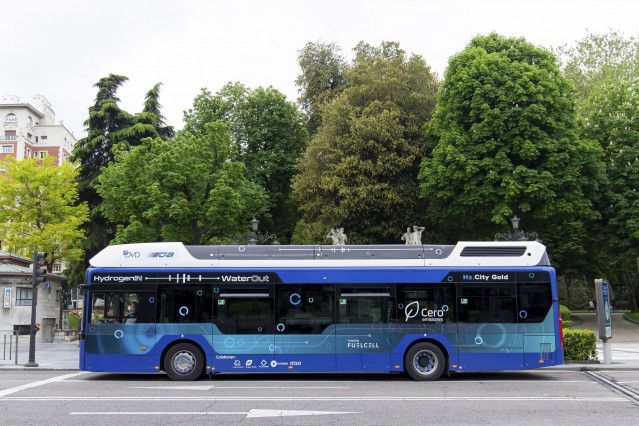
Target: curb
630, 319
22, 368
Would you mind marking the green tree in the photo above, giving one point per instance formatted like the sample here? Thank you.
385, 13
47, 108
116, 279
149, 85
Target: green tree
109, 128
105, 127
505, 143
268, 136
184, 190
323, 77
150, 122
599, 60
359, 171
613, 120
38, 210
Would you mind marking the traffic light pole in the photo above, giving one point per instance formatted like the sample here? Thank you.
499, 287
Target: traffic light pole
38, 276
32, 330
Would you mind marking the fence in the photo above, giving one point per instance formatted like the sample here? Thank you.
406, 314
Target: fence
8, 347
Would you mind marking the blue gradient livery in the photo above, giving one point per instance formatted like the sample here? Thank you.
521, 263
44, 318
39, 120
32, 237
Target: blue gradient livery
424, 310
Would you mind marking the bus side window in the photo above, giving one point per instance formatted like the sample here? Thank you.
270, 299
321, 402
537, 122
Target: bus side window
486, 303
358, 305
534, 300
97, 308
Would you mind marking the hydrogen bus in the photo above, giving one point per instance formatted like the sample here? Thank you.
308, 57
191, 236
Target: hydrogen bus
419, 309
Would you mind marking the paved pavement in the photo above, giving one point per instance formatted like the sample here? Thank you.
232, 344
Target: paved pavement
624, 350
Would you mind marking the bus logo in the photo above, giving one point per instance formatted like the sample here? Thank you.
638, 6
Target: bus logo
130, 254
412, 310
162, 254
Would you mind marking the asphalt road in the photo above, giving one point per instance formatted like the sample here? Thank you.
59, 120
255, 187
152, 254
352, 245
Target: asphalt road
528, 397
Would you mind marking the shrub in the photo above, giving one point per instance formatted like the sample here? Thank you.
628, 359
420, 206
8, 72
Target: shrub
565, 312
73, 321
566, 323
580, 345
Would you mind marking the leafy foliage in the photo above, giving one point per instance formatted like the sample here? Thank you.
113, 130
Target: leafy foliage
183, 190
504, 143
38, 210
359, 171
580, 345
268, 136
323, 77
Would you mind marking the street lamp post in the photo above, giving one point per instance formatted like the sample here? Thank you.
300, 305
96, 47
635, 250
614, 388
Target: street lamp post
517, 234
256, 238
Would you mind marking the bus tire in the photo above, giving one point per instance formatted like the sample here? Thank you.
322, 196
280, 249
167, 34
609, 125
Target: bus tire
184, 361
424, 361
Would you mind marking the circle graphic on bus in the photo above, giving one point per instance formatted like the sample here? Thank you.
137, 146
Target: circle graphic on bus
400, 306
229, 342
280, 327
295, 299
531, 275
216, 290
199, 292
271, 348
445, 308
151, 299
92, 329
490, 338
438, 251
259, 329
311, 300
118, 334
523, 314
450, 278
184, 311
479, 340
241, 248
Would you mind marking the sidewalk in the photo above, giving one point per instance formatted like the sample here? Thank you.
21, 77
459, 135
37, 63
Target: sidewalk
49, 356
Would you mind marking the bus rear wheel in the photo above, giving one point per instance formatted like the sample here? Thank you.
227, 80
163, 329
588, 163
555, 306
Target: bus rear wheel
424, 361
184, 361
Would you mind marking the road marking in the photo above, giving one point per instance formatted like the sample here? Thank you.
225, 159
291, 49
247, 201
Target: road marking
316, 398
252, 413
208, 388
36, 384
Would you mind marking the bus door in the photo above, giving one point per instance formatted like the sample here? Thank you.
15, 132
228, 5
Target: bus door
488, 336
243, 328
536, 318
305, 327
365, 327
120, 333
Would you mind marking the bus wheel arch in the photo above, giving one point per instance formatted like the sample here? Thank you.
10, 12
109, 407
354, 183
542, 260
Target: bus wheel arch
183, 360
426, 360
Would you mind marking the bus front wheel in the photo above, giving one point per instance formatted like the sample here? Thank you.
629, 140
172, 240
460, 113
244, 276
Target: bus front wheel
425, 361
184, 361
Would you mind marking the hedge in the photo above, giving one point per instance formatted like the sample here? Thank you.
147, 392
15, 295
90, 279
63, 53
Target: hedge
580, 345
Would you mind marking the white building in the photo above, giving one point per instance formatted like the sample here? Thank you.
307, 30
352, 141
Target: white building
29, 130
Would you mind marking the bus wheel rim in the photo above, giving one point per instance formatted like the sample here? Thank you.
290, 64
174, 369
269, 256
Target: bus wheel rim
184, 362
425, 362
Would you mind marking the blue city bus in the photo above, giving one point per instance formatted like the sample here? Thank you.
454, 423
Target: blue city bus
419, 309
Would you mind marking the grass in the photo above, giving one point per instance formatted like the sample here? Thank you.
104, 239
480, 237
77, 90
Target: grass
633, 315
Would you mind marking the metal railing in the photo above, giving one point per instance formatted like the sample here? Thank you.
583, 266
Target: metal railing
8, 346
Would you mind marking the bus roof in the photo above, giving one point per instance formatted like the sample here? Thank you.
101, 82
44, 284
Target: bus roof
177, 255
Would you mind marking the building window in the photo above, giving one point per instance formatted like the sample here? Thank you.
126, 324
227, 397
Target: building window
29, 136
30, 121
57, 268
11, 118
10, 135
42, 154
7, 149
24, 296
28, 153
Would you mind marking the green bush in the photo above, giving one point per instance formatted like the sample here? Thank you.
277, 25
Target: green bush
580, 345
567, 323
73, 321
565, 312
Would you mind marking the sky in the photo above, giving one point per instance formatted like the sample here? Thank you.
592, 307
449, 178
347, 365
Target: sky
60, 49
